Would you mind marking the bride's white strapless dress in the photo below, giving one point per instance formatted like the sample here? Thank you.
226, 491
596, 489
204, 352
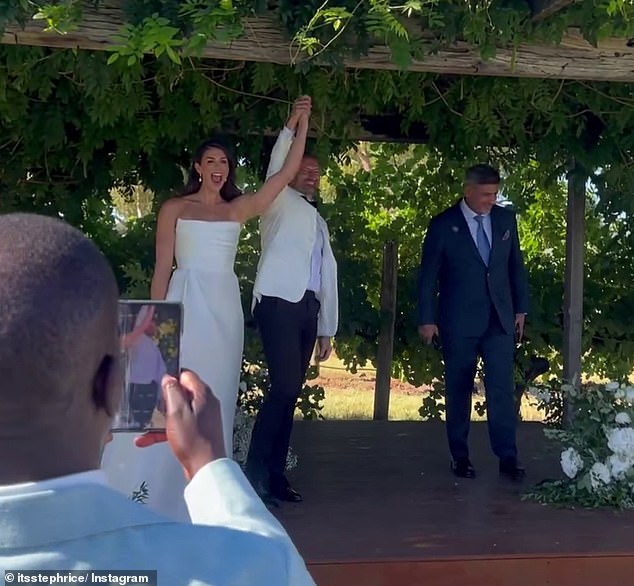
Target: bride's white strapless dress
211, 345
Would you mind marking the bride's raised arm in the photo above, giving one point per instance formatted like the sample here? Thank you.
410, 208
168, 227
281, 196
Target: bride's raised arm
250, 205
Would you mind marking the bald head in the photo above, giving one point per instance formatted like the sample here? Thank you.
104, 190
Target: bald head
58, 347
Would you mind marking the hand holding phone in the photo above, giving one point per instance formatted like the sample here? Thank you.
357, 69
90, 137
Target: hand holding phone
194, 423
150, 346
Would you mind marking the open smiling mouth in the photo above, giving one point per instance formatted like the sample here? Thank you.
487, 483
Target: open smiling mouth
217, 178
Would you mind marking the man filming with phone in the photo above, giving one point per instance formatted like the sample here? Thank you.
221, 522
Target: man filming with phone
60, 389
472, 269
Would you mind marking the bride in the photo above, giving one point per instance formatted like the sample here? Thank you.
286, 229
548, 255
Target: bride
201, 229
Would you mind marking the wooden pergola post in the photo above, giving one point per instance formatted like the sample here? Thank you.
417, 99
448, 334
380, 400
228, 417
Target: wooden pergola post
574, 277
385, 351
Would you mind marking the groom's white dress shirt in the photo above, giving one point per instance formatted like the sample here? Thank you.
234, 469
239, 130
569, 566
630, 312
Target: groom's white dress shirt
78, 523
145, 362
296, 253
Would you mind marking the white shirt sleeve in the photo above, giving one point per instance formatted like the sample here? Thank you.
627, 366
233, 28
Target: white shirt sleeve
220, 494
280, 150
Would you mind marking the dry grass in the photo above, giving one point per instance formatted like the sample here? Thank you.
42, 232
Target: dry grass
351, 396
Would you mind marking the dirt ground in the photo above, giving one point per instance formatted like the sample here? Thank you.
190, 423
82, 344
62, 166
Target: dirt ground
334, 376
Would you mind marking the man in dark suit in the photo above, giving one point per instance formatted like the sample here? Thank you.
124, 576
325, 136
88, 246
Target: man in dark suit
473, 296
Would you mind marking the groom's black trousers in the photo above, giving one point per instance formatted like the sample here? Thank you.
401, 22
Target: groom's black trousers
289, 332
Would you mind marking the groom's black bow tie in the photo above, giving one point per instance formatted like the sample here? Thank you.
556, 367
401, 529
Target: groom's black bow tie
312, 202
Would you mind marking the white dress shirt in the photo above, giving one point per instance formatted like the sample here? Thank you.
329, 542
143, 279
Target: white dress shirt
470, 216
82, 478
76, 522
292, 232
145, 362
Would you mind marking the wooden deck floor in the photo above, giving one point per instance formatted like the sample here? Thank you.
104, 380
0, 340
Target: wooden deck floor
383, 492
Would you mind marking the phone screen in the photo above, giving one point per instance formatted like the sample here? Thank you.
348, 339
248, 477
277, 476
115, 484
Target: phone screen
150, 334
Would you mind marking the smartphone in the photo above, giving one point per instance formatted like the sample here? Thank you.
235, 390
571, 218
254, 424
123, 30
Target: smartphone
150, 336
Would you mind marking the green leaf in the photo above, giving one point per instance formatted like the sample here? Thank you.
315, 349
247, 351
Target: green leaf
172, 55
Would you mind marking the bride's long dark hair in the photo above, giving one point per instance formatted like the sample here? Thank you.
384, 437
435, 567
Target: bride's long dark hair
229, 190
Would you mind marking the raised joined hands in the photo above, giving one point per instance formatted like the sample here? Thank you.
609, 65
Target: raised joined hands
300, 113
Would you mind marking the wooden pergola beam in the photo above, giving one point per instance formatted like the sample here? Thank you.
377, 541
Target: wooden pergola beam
543, 9
573, 58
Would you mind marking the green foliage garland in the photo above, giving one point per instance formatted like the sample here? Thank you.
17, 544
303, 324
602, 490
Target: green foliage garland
330, 31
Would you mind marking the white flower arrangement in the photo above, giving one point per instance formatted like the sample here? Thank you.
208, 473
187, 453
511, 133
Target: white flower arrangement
571, 462
622, 418
598, 448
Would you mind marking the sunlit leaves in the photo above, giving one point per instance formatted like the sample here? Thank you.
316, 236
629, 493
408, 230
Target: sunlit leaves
61, 17
382, 22
154, 35
312, 41
209, 21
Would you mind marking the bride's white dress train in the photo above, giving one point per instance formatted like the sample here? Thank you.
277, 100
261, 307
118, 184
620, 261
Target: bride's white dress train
211, 345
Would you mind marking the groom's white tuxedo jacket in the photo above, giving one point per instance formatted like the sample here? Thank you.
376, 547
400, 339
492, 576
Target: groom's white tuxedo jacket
288, 230
78, 523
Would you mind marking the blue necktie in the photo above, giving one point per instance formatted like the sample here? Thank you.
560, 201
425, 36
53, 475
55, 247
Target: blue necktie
482, 241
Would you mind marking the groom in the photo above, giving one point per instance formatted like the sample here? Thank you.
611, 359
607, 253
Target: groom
295, 304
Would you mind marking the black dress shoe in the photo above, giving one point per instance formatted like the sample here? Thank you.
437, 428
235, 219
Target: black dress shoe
463, 468
265, 495
269, 500
287, 494
512, 470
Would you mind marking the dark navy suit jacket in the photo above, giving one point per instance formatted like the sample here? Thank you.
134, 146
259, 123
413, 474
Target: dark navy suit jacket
457, 291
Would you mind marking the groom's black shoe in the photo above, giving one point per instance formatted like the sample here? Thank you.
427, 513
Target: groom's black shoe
287, 494
265, 496
281, 489
263, 492
463, 468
